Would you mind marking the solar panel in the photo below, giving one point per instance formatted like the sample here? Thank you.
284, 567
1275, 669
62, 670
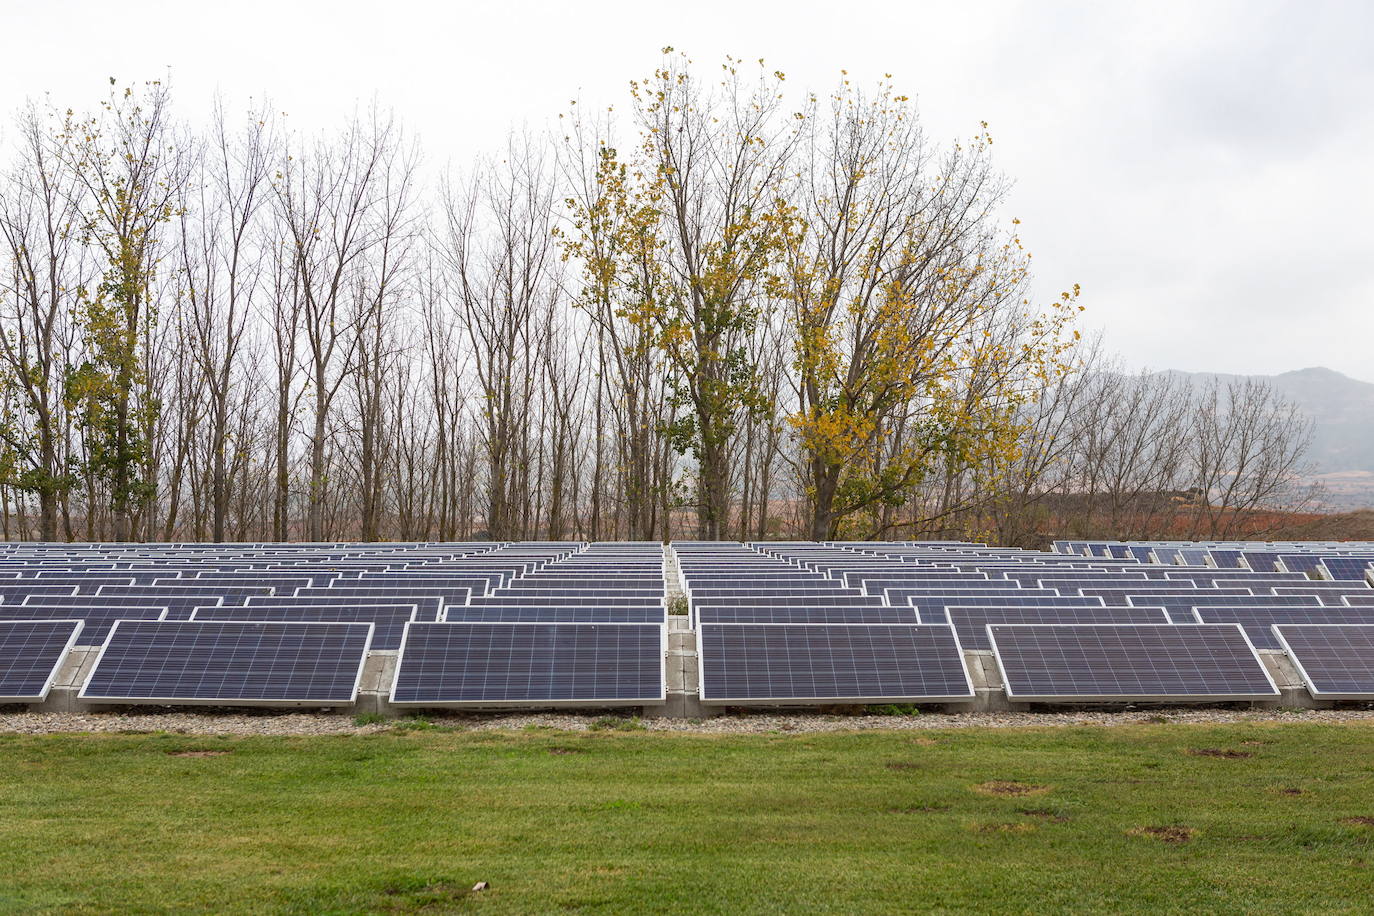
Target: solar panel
1128, 663
31, 651
1261, 561
489, 664
785, 612
831, 663
933, 610
378, 592
230, 663
595, 594
1124, 597
541, 613
1334, 660
12, 593
503, 599
389, 619
798, 601
96, 620
1347, 567
1195, 557
426, 608
1259, 621
1300, 563
1180, 607
222, 594
971, 623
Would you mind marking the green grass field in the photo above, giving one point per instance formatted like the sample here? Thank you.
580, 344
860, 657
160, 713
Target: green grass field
1243, 818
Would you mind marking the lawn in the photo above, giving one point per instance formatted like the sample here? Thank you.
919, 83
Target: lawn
1239, 818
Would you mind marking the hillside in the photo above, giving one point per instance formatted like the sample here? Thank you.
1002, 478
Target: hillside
1342, 409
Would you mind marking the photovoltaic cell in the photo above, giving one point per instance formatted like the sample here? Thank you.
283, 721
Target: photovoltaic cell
933, 610
230, 663
483, 664
1119, 663
541, 613
785, 612
1259, 621
1335, 661
96, 620
426, 608
971, 623
1347, 567
389, 620
813, 663
31, 651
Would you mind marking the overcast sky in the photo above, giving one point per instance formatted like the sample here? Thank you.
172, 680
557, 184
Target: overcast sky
1203, 169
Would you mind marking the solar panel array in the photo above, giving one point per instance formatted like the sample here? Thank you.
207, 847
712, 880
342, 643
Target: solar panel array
776, 623
292, 624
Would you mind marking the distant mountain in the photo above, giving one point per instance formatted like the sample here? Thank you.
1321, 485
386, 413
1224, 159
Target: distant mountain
1342, 409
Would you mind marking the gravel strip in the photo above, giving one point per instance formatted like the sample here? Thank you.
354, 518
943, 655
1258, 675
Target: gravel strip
237, 723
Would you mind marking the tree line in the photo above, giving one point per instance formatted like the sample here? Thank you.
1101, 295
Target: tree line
725, 311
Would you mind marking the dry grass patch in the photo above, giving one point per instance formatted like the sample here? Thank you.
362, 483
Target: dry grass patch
1223, 753
1174, 834
1014, 827
1361, 820
1004, 789
198, 753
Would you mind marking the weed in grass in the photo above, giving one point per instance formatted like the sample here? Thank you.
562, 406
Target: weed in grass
368, 718
1223, 753
560, 751
619, 804
416, 724
420, 896
1009, 789
894, 709
1174, 834
678, 607
1159, 719
618, 724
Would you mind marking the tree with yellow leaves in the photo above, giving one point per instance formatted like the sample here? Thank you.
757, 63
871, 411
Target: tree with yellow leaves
684, 233
914, 340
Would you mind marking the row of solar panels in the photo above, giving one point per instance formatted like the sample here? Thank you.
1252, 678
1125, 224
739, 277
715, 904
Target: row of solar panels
205, 631
276, 663
595, 583
1337, 560
236, 662
753, 606
805, 620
